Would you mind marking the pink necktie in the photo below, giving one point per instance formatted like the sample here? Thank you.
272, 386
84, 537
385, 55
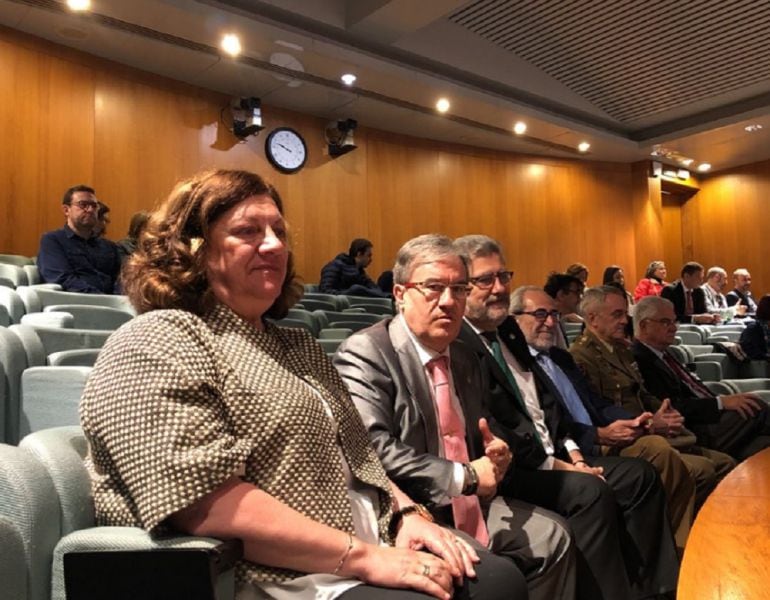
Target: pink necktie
688, 309
466, 510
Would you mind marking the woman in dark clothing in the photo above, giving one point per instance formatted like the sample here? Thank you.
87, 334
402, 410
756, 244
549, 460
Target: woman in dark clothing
755, 339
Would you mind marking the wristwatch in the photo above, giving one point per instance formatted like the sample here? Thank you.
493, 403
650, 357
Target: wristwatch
399, 515
471, 482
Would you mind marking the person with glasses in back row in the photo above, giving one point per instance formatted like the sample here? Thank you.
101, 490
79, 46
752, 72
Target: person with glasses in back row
76, 256
566, 291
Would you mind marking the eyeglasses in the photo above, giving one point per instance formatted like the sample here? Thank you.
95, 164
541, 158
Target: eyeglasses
541, 314
485, 282
664, 322
86, 205
433, 290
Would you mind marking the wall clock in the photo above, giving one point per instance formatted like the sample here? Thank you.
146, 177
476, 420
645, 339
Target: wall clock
286, 150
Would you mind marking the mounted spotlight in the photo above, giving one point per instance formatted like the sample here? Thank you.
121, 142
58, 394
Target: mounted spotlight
247, 116
339, 137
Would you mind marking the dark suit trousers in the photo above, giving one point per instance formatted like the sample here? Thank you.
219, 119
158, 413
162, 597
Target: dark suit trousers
625, 545
738, 437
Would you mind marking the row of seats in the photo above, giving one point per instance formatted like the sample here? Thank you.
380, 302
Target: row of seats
51, 548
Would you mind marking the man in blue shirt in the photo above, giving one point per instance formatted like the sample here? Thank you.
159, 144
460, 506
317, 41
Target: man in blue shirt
75, 256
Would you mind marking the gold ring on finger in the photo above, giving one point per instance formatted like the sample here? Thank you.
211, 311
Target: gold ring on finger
426, 570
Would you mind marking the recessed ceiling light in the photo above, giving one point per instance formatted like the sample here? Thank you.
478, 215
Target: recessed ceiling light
231, 44
683, 174
686, 161
752, 128
348, 79
442, 105
79, 4
584, 146
519, 128
703, 167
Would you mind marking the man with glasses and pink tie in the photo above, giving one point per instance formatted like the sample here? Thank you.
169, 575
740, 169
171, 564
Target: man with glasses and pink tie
75, 256
419, 393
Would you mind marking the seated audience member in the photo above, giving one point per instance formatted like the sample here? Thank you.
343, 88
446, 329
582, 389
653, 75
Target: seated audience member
653, 281
75, 256
614, 275
566, 290
716, 302
740, 296
755, 339
417, 390
253, 435
102, 219
617, 505
611, 370
346, 273
385, 282
578, 270
688, 297
738, 424
127, 246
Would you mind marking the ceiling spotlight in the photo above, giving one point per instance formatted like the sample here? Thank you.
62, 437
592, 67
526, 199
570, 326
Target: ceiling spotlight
753, 128
584, 146
348, 79
79, 4
686, 161
442, 105
703, 167
683, 174
519, 128
231, 44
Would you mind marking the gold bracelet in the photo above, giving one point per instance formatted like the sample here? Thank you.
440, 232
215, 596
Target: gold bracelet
344, 555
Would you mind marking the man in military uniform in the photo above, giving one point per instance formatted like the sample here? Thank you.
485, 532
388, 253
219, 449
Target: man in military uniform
602, 353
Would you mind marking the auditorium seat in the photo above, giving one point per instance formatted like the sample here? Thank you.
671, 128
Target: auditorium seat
13, 273
344, 319
13, 361
317, 304
16, 259
10, 299
93, 317
12, 566
50, 397
36, 298
84, 554
53, 319
82, 357
689, 337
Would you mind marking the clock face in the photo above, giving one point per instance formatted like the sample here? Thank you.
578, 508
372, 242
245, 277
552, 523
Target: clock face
286, 150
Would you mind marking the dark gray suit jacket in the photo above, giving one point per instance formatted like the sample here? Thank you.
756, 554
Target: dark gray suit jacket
388, 384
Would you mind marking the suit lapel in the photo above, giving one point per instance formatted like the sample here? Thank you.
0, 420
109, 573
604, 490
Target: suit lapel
416, 381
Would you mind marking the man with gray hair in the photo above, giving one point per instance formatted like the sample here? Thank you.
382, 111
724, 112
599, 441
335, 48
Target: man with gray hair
740, 296
418, 392
735, 423
716, 303
603, 355
611, 511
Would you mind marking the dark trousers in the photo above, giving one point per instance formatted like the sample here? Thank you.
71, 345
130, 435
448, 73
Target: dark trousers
738, 437
497, 578
621, 528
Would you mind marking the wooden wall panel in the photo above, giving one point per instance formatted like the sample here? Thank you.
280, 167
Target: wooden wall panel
134, 135
730, 222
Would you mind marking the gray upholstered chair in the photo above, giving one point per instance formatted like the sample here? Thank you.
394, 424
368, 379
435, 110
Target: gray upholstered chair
93, 317
12, 566
85, 557
83, 357
50, 397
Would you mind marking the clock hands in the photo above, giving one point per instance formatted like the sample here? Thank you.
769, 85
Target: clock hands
285, 147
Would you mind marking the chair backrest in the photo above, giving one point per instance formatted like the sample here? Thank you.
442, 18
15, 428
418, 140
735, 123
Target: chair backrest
33, 274
315, 304
365, 300
708, 370
50, 397
719, 387
28, 499
62, 451
93, 317
83, 357
46, 297
310, 319
332, 318
16, 259
13, 273
13, 303
13, 359
681, 353
729, 368
53, 340
57, 319
689, 337
749, 385
697, 349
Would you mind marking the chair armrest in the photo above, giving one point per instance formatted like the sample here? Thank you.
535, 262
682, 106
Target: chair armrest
122, 563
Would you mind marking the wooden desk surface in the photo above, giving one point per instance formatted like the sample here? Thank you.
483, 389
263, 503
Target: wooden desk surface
727, 556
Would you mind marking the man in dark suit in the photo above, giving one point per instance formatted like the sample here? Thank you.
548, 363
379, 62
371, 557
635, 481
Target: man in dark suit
428, 429
740, 296
688, 297
615, 506
738, 424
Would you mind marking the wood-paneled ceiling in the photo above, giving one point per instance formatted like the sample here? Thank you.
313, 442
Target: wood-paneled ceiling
628, 76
